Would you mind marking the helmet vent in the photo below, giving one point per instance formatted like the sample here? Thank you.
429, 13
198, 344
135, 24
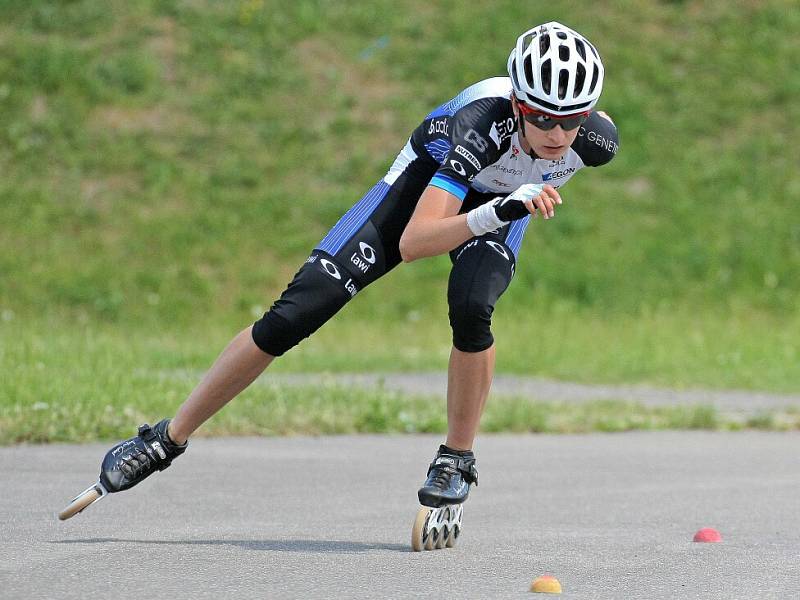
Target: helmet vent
561, 35
595, 75
580, 79
580, 48
547, 73
563, 52
528, 64
563, 80
544, 44
513, 73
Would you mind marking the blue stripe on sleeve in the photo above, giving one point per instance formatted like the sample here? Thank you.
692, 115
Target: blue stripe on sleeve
458, 189
353, 219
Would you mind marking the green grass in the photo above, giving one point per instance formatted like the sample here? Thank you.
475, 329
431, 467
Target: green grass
166, 166
166, 159
267, 409
61, 384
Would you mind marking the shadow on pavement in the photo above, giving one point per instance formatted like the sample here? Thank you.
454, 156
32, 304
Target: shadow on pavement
264, 545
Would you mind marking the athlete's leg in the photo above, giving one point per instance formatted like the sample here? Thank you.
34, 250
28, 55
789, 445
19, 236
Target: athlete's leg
361, 248
318, 291
236, 368
482, 269
469, 377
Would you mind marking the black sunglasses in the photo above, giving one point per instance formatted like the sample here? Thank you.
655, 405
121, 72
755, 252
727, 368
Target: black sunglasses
546, 122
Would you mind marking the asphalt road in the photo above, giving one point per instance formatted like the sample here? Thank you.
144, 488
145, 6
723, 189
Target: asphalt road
611, 516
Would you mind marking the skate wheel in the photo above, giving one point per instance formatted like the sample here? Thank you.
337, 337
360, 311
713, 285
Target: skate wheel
80, 502
453, 537
419, 533
445, 537
455, 525
432, 543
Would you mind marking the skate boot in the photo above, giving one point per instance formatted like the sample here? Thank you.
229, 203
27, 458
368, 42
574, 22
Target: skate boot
128, 463
449, 478
438, 522
133, 460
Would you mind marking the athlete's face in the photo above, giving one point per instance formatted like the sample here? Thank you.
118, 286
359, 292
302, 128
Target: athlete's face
551, 144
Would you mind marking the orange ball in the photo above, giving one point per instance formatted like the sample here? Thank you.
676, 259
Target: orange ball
546, 584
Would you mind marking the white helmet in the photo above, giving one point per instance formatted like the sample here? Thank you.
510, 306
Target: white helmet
556, 70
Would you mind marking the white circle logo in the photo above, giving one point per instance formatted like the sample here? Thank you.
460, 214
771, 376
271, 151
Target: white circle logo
368, 252
500, 249
459, 168
330, 268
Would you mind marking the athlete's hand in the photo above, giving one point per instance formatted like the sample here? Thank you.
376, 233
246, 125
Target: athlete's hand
531, 198
528, 199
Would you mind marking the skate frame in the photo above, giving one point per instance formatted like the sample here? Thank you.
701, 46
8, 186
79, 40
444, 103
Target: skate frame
83, 500
436, 528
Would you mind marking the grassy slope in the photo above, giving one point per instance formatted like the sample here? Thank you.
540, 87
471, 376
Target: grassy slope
167, 165
98, 389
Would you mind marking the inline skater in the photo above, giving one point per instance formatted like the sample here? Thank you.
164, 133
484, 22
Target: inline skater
467, 182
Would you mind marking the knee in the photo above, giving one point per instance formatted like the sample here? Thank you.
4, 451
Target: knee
317, 292
274, 334
471, 321
481, 273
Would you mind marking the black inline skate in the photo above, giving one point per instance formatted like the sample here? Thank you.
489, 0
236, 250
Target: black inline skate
128, 463
438, 522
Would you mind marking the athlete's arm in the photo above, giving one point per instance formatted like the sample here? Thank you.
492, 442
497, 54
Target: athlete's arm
435, 227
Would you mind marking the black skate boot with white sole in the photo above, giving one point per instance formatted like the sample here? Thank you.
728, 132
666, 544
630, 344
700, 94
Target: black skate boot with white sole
438, 522
129, 463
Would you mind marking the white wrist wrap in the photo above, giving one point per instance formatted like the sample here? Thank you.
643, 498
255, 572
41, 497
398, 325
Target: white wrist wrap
484, 219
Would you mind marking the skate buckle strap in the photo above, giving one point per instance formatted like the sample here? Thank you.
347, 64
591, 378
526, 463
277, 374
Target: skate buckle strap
468, 470
155, 448
466, 466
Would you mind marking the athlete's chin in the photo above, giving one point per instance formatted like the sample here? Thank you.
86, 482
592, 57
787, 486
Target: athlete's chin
551, 152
